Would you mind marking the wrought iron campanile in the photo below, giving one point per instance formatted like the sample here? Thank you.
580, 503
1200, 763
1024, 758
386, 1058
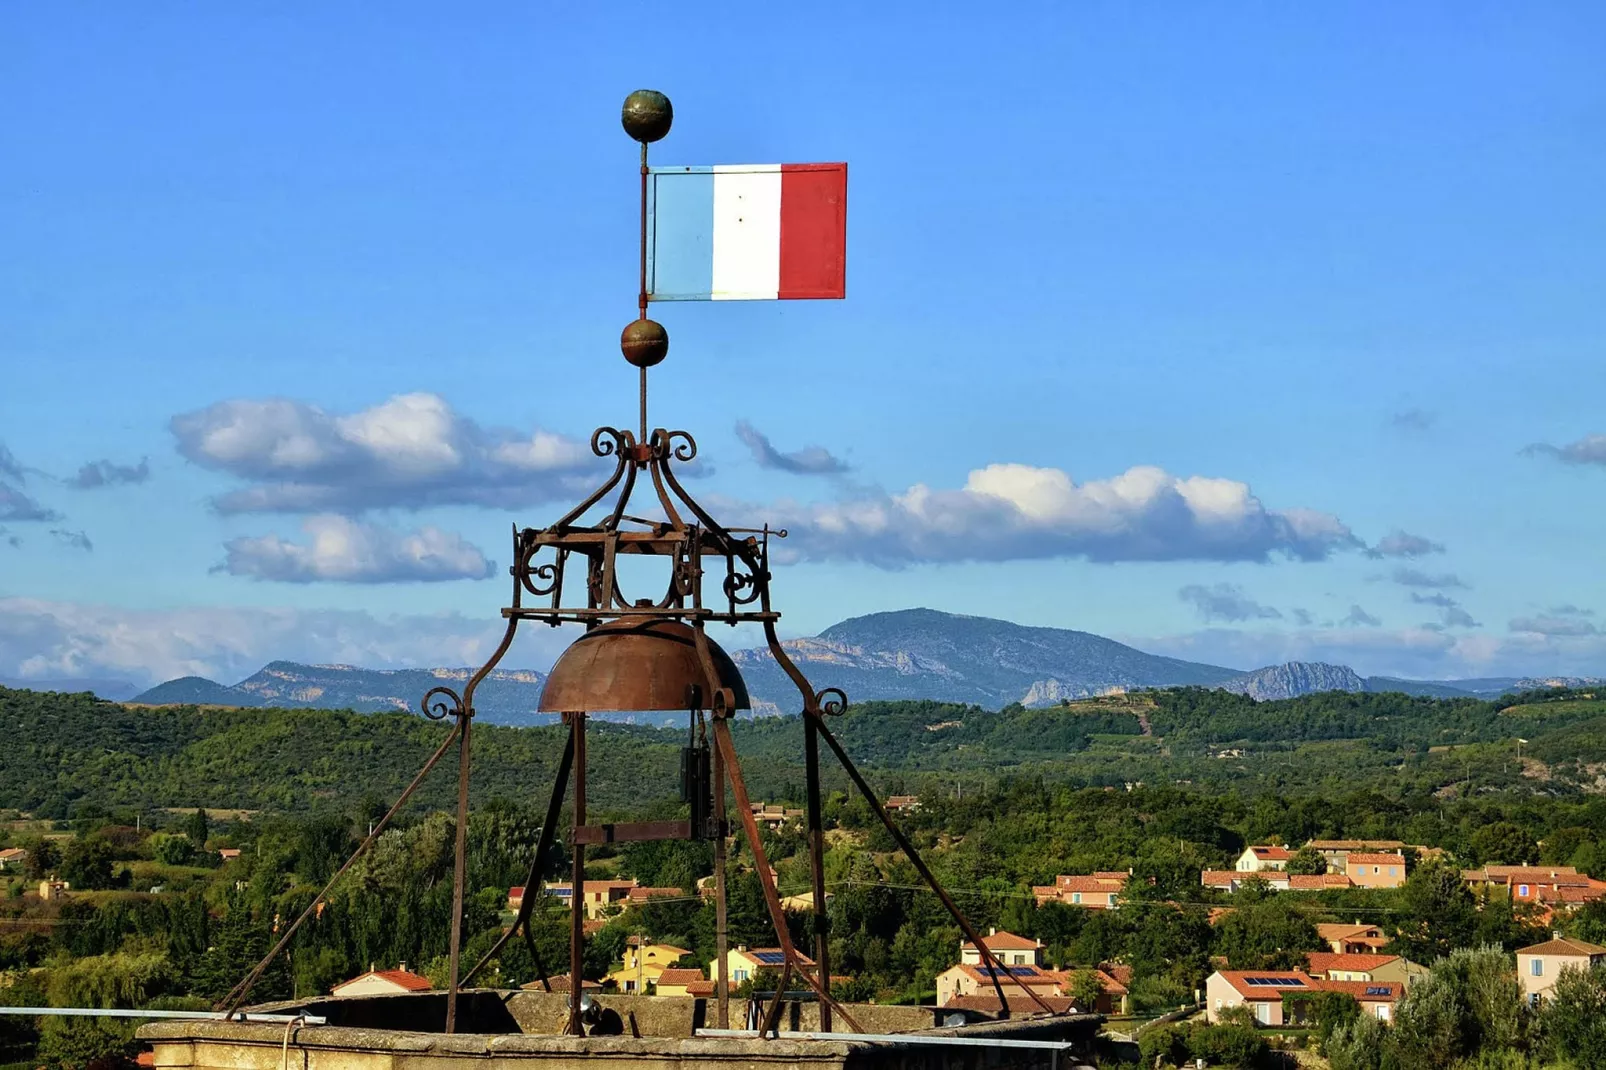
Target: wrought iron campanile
648, 650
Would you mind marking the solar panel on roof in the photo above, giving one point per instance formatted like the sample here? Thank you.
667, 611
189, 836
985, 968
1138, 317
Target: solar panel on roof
1379, 990
770, 958
1274, 982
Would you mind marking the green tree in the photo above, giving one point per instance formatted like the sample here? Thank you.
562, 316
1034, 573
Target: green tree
1504, 843
1307, 860
172, 850
1573, 1021
43, 857
1330, 1012
1272, 934
1086, 988
196, 827
87, 864
1438, 914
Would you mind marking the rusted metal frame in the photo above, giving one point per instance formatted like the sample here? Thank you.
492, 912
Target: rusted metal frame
612, 523
619, 444
543, 845
460, 851
772, 899
721, 932
577, 905
632, 832
994, 967
816, 826
236, 996
612, 596
658, 485
641, 298
588, 616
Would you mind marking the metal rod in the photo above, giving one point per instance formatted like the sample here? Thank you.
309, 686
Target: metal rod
897, 1038
543, 846
243, 989
822, 943
211, 1016
641, 298
994, 969
459, 866
577, 891
721, 933
772, 899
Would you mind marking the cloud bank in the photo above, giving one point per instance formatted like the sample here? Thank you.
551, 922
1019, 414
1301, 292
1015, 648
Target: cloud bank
1591, 449
809, 461
1225, 602
341, 550
1016, 512
410, 452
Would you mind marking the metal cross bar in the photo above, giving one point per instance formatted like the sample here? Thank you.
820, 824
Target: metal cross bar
895, 1038
118, 1012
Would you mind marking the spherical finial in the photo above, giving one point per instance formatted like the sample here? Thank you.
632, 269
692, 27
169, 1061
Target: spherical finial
647, 115
644, 342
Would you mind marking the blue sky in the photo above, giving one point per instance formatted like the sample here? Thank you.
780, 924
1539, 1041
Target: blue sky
1239, 294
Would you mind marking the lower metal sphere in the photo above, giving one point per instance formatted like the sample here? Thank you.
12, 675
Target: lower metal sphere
644, 342
647, 115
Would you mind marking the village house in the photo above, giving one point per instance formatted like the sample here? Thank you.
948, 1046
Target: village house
1261, 859
1539, 966
1283, 997
971, 994
1096, 891
1367, 966
228, 854
1007, 948
1554, 886
383, 983
13, 858
772, 816
1369, 869
643, 965
901, 803
597, 896
677, 981
560, 983
1351, 939
1337, 851
743, 964
51, 890
1232, 880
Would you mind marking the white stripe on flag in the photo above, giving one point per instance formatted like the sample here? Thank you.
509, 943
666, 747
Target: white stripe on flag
747, 233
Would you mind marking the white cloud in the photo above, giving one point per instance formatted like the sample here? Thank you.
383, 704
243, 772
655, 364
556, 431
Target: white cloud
808, 461
55, 640
96, 474
1591, 449
412, 452
1415, 577
1016, 511
1560, 621
1399, 543
1412, 653
343, 550
1225, 602
1358, 617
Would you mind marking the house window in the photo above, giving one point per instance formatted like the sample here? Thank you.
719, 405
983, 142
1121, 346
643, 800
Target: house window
1377, 869
1522, 890
1536, 967
1392, 872
1112, 899
1076, 897
1533, 999
1383, 1011
1263, 1013
738, 975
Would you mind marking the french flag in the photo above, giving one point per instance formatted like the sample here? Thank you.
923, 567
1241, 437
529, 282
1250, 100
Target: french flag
747, 232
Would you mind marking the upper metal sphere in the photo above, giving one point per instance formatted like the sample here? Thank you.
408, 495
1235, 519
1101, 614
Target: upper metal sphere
647, 115
644, 342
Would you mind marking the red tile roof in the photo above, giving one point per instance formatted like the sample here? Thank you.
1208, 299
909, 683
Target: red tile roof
700, 988
1294, 981
639, 894
1366, 991
402, 978
1273, 854
1219, 878
679, 977
560, 983
1366, 858
989, 1003
1562, 945
1006, 942
1327, 961
1316, 882
1355, 845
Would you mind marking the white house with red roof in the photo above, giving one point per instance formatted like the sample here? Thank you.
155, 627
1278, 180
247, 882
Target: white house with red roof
1284, 997
1007, 948
1262, 859
383, 983
1363, 966
1540, 965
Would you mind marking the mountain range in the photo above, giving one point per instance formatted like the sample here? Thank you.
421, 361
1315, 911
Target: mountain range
908, 654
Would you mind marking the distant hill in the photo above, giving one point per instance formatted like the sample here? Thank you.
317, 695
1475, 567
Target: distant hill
908, 654
507, 696
926, 654
110, 689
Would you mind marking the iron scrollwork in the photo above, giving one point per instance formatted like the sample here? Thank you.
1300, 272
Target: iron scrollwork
440, 710
832, 701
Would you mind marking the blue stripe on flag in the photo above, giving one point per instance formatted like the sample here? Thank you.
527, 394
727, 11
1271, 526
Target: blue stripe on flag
680, 250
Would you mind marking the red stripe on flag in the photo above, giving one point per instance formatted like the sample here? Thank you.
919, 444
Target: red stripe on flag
814, 230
